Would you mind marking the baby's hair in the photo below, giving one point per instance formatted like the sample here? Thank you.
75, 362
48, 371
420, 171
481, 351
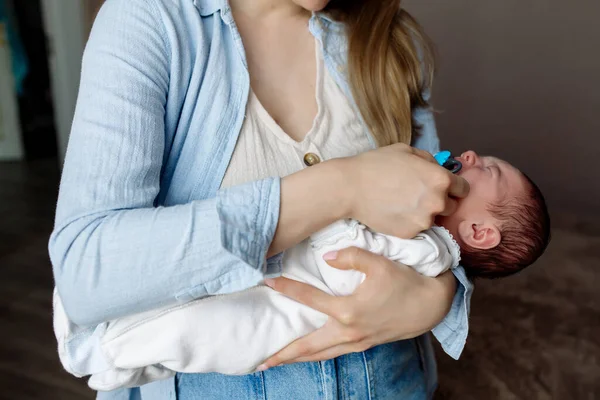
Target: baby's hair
525, 234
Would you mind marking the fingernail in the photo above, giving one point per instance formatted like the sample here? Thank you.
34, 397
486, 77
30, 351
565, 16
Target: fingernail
332, 255
262, 367
270, 282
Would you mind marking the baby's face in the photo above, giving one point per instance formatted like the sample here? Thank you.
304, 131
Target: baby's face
492, 181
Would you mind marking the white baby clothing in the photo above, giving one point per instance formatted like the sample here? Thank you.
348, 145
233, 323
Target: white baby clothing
233, 334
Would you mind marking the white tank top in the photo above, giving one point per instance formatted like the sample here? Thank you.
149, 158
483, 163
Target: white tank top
264, 150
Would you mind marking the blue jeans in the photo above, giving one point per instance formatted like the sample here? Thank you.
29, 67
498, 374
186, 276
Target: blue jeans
392, 371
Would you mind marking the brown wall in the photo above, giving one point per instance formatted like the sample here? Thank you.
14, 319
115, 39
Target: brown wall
520, 79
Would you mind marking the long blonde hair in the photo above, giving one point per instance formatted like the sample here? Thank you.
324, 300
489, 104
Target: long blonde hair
390, 65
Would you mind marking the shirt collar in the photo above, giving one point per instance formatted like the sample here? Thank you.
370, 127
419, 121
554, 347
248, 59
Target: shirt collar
209, 7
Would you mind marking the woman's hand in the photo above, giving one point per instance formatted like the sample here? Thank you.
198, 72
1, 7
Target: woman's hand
399, 190
393, 303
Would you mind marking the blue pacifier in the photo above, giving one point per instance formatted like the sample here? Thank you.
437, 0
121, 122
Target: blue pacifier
445, 159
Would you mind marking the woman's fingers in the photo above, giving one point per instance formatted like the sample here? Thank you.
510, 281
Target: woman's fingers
307, 295
459, 187
353, 258
425, 155
451, 206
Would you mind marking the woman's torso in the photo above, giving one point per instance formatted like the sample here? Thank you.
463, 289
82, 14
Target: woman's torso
204, 116
204, 112
263, 149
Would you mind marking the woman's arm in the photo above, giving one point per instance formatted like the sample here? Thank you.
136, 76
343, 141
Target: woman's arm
396, 190
113, 252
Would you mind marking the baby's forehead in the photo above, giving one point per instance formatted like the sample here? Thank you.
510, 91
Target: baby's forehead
500, 162
497, 160
512, 178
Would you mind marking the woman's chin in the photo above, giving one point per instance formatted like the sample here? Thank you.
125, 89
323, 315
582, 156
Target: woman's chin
312, 5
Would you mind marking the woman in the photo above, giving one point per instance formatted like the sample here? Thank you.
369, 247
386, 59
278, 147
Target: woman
189, 111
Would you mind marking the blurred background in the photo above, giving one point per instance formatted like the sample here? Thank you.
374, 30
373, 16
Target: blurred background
519, 79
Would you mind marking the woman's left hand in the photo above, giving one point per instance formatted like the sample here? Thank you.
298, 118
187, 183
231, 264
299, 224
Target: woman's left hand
393, 303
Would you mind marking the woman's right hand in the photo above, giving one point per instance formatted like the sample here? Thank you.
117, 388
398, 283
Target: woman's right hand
399, 190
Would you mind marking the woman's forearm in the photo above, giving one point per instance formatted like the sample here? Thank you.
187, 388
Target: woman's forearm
310, 200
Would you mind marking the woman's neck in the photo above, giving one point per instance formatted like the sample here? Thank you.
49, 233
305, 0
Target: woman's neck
266, 8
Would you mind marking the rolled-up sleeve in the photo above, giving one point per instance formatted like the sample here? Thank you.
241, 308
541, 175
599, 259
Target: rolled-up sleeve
114, 252
452, 332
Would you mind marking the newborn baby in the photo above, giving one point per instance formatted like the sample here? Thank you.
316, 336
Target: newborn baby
501, 227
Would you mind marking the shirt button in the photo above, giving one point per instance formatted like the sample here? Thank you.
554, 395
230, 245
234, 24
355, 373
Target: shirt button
311, 159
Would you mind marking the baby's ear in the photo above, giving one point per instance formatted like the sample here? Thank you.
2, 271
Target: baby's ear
482, 235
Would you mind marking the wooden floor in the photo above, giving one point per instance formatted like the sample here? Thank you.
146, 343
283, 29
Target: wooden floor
533, 337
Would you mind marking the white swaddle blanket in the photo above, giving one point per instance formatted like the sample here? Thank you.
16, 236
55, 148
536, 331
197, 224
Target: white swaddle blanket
233, 334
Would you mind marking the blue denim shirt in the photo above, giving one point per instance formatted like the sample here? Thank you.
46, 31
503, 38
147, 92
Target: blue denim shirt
141, 222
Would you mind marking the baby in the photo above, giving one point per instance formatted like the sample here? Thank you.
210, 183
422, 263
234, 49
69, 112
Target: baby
501, 227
